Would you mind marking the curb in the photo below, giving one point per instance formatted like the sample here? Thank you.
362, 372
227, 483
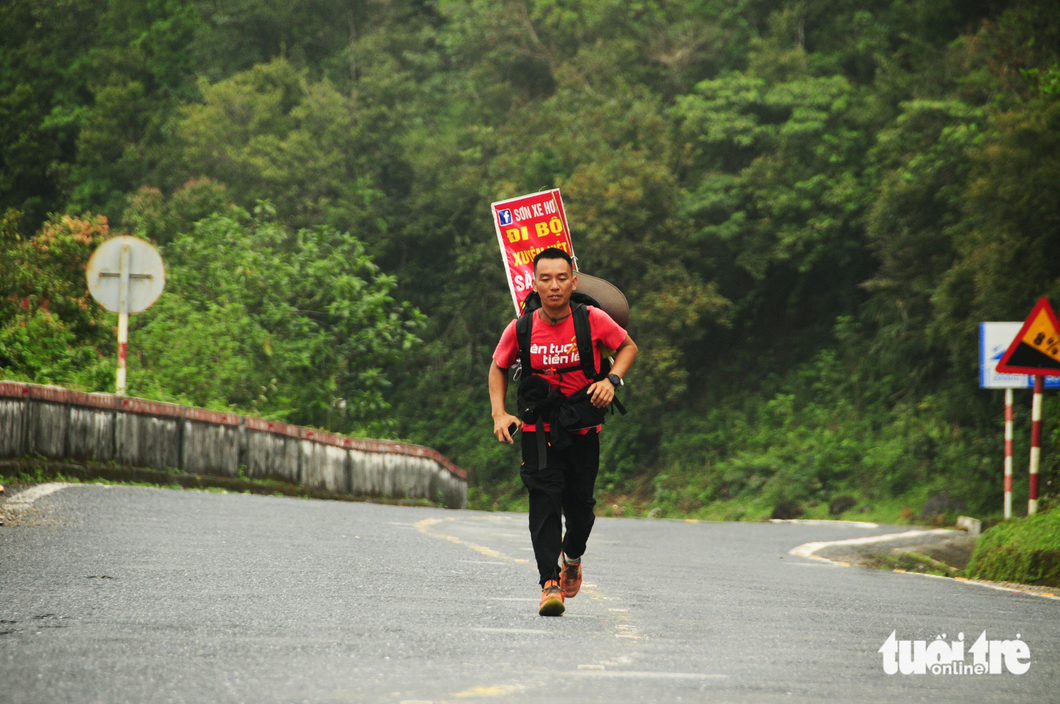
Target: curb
86, 472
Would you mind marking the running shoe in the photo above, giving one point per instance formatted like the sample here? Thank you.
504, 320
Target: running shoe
551, 600
570, 578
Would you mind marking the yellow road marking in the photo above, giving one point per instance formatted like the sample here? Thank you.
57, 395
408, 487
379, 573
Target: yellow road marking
494, 691
619, 629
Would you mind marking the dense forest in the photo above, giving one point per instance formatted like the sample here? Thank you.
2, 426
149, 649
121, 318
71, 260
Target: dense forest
810, 205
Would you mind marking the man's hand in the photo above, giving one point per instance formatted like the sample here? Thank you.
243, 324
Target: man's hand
502, 420
601, 393
501, 423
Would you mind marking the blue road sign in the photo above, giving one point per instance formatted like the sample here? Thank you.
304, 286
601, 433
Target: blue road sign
994, 340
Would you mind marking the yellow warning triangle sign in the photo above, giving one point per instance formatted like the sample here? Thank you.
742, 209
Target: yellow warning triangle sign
1036, 349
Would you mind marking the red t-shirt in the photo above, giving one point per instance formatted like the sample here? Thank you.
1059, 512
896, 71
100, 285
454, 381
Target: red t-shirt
555, 347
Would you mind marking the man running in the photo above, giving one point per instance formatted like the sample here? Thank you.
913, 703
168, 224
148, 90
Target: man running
562, 482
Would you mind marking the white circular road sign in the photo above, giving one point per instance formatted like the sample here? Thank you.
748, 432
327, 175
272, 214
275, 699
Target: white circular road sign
145, 271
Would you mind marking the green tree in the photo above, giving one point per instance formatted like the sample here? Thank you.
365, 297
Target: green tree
320, 155
52, 331
293, 324
914, 227
777, 194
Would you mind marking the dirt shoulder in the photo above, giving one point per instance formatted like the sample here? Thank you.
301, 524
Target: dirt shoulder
938, 554
947, 554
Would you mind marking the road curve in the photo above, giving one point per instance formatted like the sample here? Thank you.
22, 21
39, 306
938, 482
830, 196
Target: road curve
123, 594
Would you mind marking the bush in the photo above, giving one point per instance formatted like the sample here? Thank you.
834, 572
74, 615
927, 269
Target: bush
1026, 550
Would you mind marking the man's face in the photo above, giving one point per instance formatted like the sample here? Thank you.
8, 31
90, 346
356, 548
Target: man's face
554, 281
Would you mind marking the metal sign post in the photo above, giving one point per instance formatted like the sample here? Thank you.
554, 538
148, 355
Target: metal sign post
995, 338
125, 275
1035, 350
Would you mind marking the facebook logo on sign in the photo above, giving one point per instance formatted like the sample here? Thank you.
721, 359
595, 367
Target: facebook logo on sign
505, 217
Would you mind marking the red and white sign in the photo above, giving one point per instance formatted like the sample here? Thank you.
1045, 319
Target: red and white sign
525, 226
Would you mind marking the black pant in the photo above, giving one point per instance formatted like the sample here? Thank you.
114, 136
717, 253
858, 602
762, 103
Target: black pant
564, 487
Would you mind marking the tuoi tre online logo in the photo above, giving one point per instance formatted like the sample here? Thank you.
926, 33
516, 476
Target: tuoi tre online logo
940, 657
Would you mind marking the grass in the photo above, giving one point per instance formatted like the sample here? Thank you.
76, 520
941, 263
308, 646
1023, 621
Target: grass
1025, 550
675, 503
912, 561
889, 511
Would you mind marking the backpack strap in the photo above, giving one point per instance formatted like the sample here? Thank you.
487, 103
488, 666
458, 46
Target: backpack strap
583, 334
523, 331
584, 337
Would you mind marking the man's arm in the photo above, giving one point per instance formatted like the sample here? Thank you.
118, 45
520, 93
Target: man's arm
603, 391
501, 418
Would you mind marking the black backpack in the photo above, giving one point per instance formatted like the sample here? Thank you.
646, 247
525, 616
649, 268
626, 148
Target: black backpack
582, 335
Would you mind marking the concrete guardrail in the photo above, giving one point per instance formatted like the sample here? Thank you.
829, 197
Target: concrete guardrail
60, 424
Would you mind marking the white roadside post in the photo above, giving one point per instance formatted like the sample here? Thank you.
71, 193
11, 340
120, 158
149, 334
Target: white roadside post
1036, 444
123, 318
125, 275
1008, 453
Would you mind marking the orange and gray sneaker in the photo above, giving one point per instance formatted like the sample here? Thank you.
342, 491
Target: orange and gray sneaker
551, 600
570, 578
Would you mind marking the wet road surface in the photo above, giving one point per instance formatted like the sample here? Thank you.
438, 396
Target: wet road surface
125, 594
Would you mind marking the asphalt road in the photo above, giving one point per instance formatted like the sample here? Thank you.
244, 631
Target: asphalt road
122, 594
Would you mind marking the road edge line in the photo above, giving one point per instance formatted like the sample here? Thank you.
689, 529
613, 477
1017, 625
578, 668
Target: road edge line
24, 499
